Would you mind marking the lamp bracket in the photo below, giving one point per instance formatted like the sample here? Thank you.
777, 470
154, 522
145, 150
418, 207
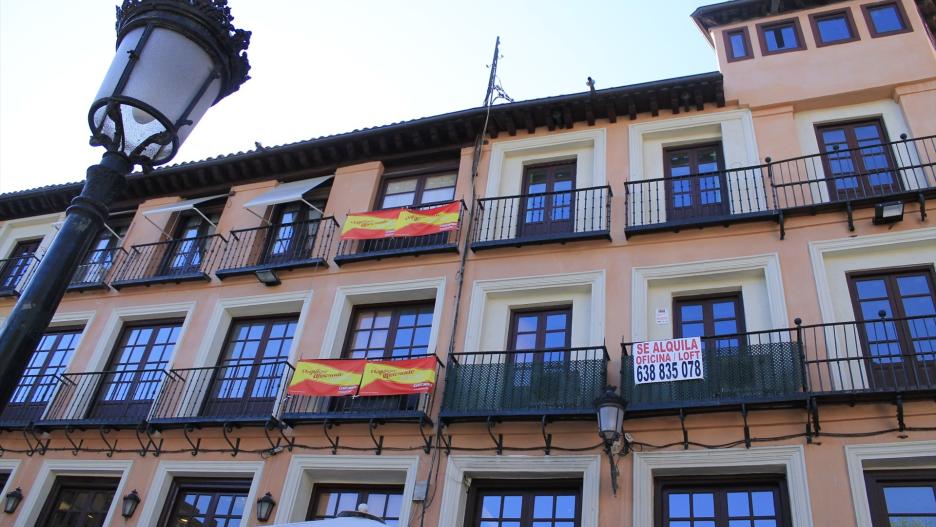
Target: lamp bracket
747, 429
279, 426
547, 438
427, 440
196, 445
780, 220
922, 200
76, 448
39, 447
378, 443
446, 443
814, 410
499, 440
901, 424
851, 219
682, 425
157, 447
235, 445
333, 442
111, 448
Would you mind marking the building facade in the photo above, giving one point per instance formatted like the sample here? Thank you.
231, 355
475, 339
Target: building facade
778, 209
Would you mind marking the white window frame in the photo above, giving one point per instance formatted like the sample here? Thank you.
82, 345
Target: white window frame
8, 466
787, 460
882, 456
41, 487
460, 470
305, 471
156, 495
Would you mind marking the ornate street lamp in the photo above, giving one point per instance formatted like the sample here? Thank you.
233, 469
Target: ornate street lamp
265, 507
174, 60
129, 504
610, 409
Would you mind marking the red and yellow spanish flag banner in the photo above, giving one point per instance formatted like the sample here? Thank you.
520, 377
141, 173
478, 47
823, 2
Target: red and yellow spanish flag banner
401, 222
327, 378
398, 377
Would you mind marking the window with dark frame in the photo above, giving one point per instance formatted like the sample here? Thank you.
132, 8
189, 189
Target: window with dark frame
384, 501
738, 44
695, 181
18, 263
415, 191
102, 254
709, 316
292, 233
135, 369
835, 27
41, 376
387, 331
540, 329
78, 501
194, 502
900, 498
857, 160
885, 18
547, 206
743, 501
780, 37
187, 248
524, 503
247, 379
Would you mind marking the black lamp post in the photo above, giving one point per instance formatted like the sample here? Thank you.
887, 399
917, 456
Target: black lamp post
174, 60
610, 408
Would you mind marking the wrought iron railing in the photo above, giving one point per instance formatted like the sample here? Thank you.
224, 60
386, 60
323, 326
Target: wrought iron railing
30, 398
357, 250
170, 261
238, 390
538, 218
123, 396
697, 198
283, 246
16, 272
352, 408
889, 355
535, 383
97, 268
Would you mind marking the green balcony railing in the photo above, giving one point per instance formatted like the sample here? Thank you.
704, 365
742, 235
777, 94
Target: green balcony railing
533, 384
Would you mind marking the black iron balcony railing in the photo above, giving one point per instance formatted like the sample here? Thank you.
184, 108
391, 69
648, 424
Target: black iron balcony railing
697, 199
524, 384
285, 246
182, 260
559, 216
901, 170
359, 250
121, 397
846, 359
28, 402
240, 390
96, 270
396, 408
16, 272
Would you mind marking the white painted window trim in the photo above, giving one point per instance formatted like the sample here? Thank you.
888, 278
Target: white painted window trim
637, 131
768, 263
789, 460
482, 288
349, 295
8, 466
65, 320
154, 498
461, 469
819, 249
8, 235
921, 454
38, 492
120, 316
293, 506
499, 150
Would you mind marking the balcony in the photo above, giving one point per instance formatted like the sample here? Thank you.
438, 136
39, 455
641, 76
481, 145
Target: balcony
529, 219
556, 383
15, 273
182, 260
840, 361
391, 408
277, 247
238, 391
119, 398
361, 250
841, 179
95, 270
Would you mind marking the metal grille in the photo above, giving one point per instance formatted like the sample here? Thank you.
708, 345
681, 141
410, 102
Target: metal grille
283, 246
15, 273
108, 397
170, 261
96, 268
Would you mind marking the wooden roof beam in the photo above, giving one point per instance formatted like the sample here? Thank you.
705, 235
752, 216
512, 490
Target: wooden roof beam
611, 111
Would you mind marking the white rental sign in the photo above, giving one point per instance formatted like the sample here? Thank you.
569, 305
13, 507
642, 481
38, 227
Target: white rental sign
668, 360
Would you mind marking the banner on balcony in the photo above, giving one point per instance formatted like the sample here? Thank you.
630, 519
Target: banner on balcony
668, 360
399, 377
327, 378
395, 223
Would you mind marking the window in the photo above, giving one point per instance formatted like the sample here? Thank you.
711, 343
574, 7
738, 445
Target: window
901, 352
520, 503
17, 264
834, 27
384, 501
40, 378
135, 370
697, 502
415, 191
905, 498
196, 502
885, 18
709, 316
293, 233
100, 257
187, 248
78, 502
248, 377
695, 182
856, 160
738, 44
389, 331
780, 37
540, 329
547, 206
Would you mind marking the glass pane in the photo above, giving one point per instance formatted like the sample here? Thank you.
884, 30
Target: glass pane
910, 500
398, 200
557, 321
490, 507
885, 18
913, 285
703, 505
738, 504
512, 506
435, 196
447, 180
723, 309
691, 312
738, 45
398, 186
763, 503
912, 521
875, 288
527, 323
565, 507
834, 28
679, 505
543, 507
